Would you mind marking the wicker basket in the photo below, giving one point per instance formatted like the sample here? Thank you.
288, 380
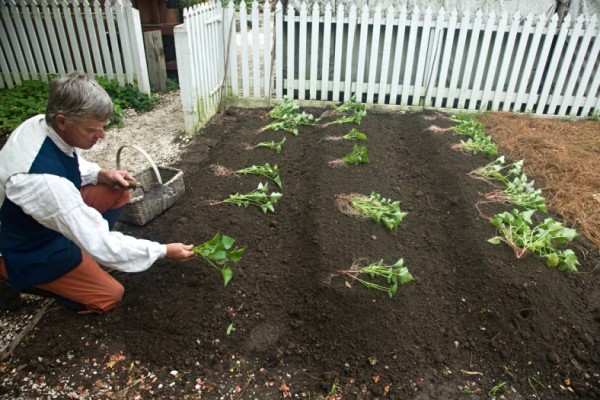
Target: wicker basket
143, 207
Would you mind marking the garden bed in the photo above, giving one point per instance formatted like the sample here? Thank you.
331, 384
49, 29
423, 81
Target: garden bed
476, 320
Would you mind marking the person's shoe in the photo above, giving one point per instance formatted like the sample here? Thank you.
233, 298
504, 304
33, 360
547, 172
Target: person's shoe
9, 300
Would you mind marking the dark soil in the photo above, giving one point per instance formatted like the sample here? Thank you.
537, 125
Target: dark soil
476, 323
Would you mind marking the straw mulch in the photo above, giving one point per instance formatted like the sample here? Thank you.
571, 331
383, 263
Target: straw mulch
563, 156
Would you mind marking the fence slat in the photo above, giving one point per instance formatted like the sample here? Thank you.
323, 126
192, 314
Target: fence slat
470, 60
398, 53
16, 34
362, 53
521, 99
114, 42
11, 71
454, 89
374, 55
476, 92
314, 51
349, 56
268, 48
82, 36
554, 62
410, 56
580, 95
337, 63
33, 42
424, 55
382, 90
38, 20
302, 52
291, 45
564, 67
507, 57
534, 97
442, 88
104, 49
325, 65
432, 65
575, 73
256, 51
516, 67
279, 50
97, 62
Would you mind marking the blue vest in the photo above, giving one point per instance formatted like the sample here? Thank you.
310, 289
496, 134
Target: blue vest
33, 253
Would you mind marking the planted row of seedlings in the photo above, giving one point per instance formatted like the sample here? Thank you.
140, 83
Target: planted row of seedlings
376, 207
518, 228
377, 275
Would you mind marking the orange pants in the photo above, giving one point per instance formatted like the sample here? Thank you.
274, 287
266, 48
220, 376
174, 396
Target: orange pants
88, 284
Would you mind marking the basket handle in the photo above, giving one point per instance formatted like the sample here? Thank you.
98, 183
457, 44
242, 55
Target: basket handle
143, 152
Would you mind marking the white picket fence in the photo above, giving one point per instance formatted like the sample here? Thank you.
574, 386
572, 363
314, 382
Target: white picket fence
387, 57
45, 38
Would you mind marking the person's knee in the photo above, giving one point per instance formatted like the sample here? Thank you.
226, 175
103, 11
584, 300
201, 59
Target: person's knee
115, 296
109, 300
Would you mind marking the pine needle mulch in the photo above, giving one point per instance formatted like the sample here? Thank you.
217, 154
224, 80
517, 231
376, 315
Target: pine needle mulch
563, 156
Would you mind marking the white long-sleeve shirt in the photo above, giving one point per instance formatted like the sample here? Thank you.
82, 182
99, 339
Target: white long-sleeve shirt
56, 204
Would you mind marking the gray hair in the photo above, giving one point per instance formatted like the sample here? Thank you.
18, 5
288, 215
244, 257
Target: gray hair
77, 97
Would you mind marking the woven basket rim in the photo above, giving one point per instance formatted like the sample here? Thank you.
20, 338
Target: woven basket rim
175, 177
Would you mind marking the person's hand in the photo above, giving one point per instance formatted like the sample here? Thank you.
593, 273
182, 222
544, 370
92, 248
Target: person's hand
113, 177
180, 251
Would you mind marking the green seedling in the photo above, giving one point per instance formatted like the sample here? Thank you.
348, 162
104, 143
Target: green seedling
392, 275
518, 190
378, 208
287, 117
351, 111
287, 107
355, 119
520, 193
333, 392
353, 135
497, 170
230, 329
478, 144
359, 155
268, 171
219, 253
277, 146
290, 123
467, 125
497, 388
350, 106
516, 229
259, 197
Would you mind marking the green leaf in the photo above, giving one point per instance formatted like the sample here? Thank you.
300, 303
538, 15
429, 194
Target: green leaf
569, 261
495, 240
227, 275
552, 260
219, 255
405, 275
277, 181
236, 254
227, 241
